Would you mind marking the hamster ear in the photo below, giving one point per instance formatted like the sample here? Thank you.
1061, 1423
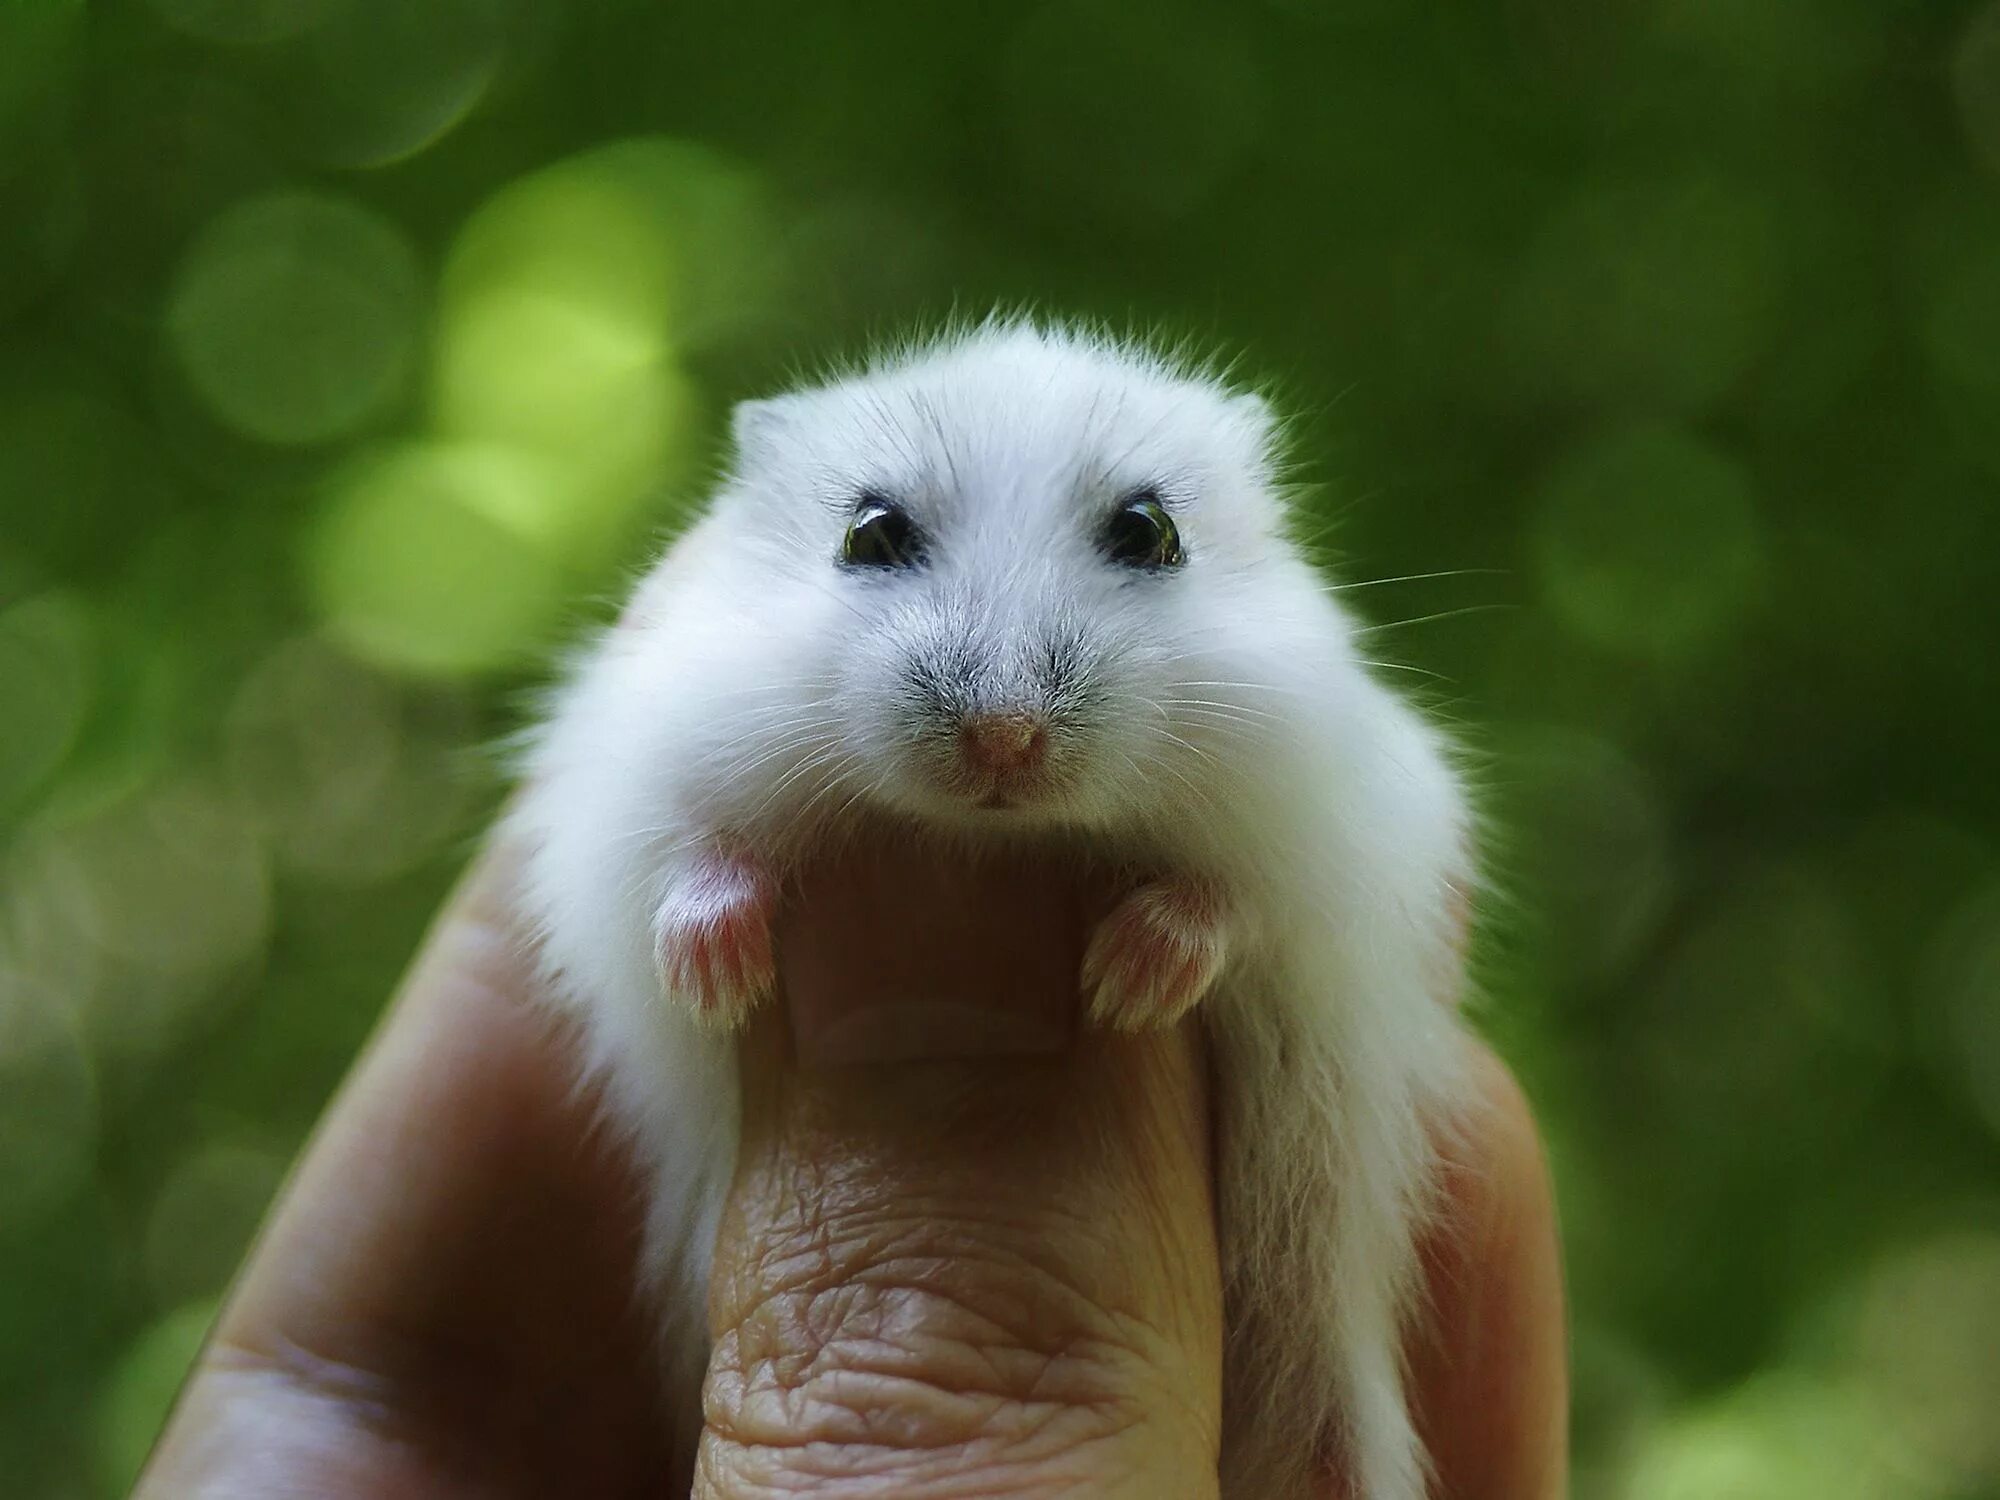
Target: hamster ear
755, 427
1253, 412
1263, 434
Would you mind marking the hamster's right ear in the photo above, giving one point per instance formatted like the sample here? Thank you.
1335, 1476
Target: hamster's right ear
1260, 431
757, 427
1257, 421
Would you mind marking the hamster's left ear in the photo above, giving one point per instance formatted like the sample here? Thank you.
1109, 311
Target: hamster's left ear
756, 427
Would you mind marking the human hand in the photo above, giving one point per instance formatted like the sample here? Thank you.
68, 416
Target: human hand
991, 1276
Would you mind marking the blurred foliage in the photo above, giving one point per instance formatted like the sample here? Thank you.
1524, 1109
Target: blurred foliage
352, 351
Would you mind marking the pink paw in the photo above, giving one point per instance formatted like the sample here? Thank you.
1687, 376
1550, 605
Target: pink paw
712, 937
1155, 955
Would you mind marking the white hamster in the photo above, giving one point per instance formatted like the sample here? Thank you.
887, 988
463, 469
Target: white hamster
1080, 613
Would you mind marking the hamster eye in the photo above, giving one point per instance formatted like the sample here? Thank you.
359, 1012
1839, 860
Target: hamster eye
1142, 535
881, 535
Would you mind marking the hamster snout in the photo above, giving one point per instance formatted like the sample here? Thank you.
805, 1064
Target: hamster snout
981, 699
1003, 744
1004, 752
998, 751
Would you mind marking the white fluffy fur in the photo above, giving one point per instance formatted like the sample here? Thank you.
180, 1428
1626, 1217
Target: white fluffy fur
1226, 728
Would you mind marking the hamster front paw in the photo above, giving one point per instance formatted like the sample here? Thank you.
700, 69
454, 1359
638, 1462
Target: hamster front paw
712, 937
1155, 955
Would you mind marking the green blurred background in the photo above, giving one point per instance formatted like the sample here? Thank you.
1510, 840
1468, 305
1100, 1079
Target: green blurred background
353, 351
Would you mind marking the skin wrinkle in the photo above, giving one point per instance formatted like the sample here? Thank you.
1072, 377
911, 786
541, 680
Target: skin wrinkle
1087, 1477
1014, 1368
993, 1446
808, 1341
918, 1293
871, 1237
890, 1306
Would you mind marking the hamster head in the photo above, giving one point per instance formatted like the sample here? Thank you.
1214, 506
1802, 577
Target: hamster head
1028, 579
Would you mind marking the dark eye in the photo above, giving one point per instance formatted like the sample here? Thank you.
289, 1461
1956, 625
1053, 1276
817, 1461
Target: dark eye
1142, 534
881, 535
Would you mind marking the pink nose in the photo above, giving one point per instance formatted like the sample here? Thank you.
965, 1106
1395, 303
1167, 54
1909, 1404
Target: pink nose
1002, 743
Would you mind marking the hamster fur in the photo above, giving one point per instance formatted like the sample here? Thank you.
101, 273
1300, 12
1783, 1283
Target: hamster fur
1203, 715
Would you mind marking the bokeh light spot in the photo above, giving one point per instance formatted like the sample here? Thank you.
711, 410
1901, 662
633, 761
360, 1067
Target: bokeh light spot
1647, 541
557, 404
295, 317
669, 239
438, 560
565, 302
577, 236
588, 394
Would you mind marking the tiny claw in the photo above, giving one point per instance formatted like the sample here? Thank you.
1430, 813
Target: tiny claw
1156, 954
712, 938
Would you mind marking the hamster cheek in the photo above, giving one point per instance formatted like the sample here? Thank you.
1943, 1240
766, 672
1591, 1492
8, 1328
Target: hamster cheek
712, 937
1155, 954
